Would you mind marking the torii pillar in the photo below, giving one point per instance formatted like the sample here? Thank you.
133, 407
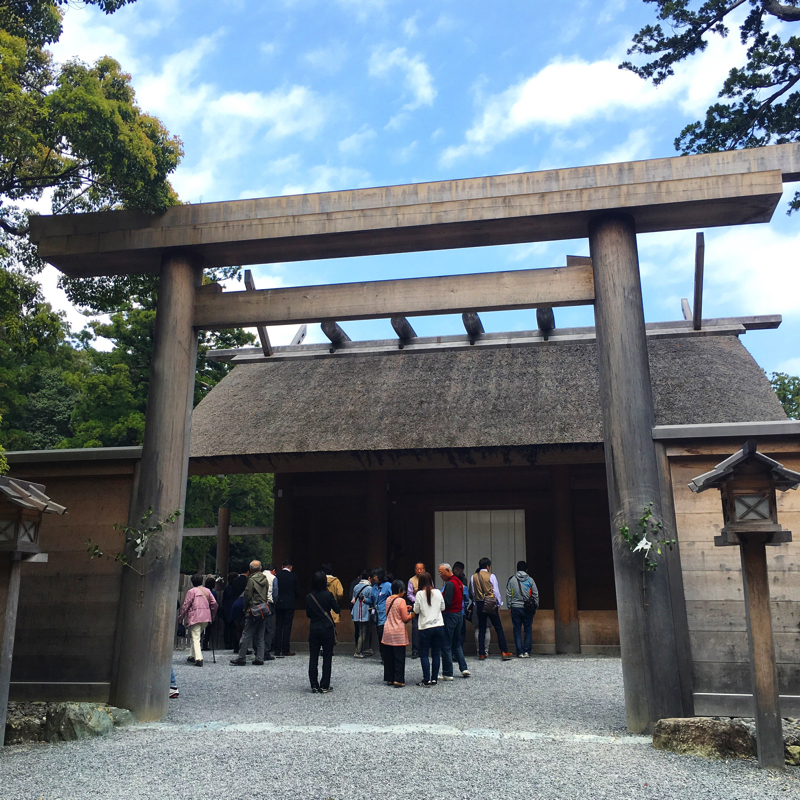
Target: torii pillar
147, 607
651, 664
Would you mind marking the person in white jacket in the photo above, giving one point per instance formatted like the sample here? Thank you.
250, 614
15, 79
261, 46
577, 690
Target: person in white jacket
428, 606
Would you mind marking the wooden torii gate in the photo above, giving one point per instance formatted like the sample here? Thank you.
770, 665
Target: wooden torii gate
609, 204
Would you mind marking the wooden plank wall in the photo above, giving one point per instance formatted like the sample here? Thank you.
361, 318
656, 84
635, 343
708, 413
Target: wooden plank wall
68, 607
714, 591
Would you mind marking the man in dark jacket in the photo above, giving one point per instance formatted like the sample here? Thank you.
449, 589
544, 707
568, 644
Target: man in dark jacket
255, 593
288, 592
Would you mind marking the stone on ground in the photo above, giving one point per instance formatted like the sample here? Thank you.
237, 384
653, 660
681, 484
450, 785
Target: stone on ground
706, 737
71, 721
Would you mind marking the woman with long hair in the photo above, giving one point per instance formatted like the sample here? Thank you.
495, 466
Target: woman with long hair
395, 637
321, 631
429, 605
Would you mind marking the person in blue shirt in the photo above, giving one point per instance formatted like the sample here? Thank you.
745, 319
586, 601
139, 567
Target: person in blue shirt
381, 591
360, 603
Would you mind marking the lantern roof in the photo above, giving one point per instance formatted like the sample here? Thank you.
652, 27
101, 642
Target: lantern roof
783, 478
29, 495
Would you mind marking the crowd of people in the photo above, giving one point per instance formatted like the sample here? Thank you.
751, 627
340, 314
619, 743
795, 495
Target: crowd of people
258, 608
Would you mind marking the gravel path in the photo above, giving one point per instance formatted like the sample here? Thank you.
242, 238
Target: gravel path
547, 727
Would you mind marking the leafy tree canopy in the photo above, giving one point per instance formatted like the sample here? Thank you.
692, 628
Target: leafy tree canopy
759, 102
787, 387
73, 129
250, 499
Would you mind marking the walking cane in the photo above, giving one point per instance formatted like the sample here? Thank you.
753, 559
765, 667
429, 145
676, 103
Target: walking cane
213, 654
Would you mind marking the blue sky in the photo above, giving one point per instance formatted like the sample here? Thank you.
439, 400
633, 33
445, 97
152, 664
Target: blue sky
304, 95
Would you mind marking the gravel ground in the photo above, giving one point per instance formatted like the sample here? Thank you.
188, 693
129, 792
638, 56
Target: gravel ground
547, 727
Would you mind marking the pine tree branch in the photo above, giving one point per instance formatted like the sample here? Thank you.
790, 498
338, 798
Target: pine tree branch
12, 230
782, 11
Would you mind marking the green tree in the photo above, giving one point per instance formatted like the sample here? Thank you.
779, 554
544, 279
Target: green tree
250, 499
73, 129
787, 387
760, 102
35, 401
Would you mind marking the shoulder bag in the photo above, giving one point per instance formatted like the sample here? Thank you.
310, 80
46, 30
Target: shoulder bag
261, 610
327, 616
489, 600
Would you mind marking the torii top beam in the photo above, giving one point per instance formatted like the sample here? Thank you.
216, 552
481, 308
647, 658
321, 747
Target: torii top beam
699, 191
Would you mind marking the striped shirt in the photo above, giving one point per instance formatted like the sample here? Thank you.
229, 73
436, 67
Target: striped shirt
394, 631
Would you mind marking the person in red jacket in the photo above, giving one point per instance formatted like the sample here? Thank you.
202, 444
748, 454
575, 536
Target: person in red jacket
453, 593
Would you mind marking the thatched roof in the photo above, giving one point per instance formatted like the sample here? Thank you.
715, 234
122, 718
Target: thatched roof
487, 398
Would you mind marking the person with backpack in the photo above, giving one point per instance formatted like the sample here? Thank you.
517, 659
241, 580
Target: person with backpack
360, 598
381, 591
523, 601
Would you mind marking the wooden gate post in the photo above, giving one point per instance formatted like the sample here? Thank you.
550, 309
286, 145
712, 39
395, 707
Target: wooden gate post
568, 638
223, 542
147, 607
769, 725
650, 662
10, 571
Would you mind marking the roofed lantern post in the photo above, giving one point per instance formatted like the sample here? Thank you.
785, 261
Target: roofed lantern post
648, 641
748, 481
146, 618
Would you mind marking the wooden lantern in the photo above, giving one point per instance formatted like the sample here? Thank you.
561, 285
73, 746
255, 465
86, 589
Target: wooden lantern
748, 482
22, 506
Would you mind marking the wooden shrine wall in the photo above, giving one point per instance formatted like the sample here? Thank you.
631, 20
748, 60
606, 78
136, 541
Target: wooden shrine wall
714, 592
67, 618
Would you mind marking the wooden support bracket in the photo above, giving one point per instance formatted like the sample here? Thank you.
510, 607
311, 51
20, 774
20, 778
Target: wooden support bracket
263, 336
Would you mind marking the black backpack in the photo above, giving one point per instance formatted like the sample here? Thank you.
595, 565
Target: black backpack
528, 604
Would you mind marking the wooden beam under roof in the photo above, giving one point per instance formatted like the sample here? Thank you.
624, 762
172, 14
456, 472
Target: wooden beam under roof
711, 189
734, 326
449, 294
699, 261
263, 336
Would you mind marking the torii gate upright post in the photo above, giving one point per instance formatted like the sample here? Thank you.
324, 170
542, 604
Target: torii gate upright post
146, 617
650, 654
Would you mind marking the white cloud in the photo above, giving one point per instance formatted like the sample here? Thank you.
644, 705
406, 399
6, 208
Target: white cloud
363, 9
749, 269
329, 59
356, 141
636, 146
410, 27
284, 112
404, 154
172, 94
789, 367
269, 48
327, 179
417, 78
87, 37
568, 92
444, 24
610, 10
